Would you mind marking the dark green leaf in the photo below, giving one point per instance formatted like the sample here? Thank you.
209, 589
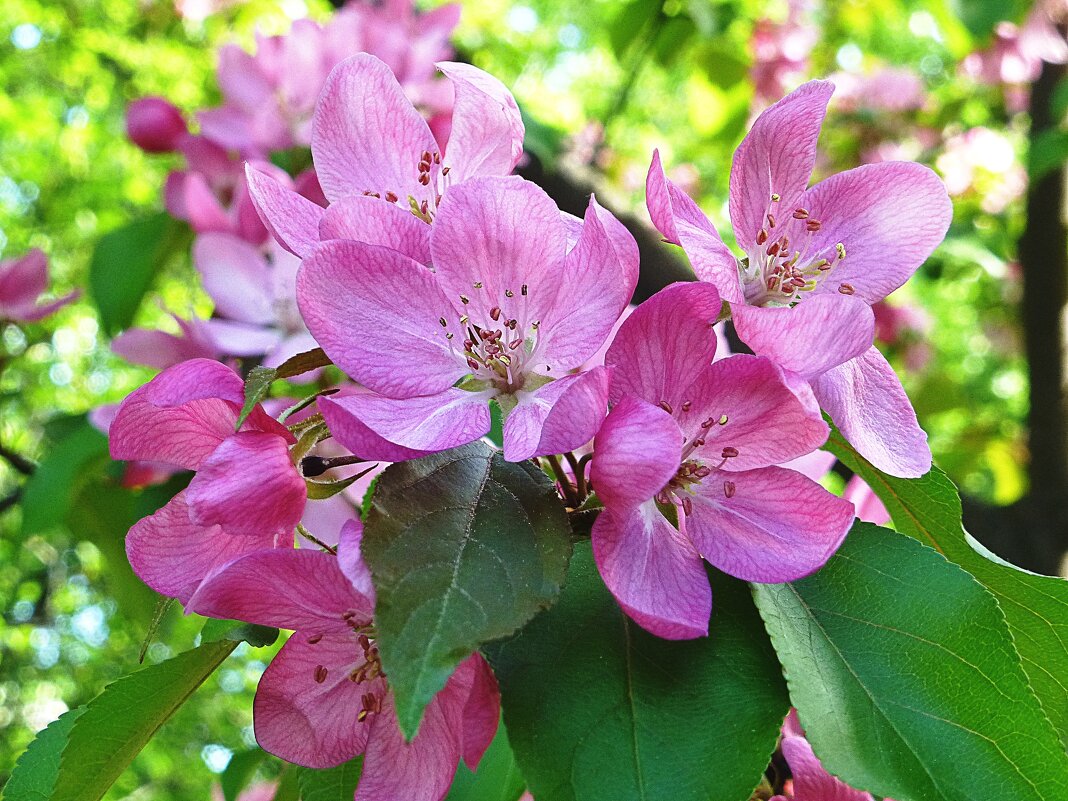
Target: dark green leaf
980, 16
905, 677
115, 725
597, 708
1049, 151
1035, 607
497, 777
331, 784
630, 23
34, 776
239, 771
124, 264
216, 630
464, 548
49, 493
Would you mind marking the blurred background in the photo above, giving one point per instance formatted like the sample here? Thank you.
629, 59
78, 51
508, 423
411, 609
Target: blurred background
973, 88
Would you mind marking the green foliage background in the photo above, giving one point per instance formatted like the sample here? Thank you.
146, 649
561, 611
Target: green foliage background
671, 75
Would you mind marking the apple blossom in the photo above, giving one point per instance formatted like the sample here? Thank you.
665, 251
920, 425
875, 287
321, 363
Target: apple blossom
22, 281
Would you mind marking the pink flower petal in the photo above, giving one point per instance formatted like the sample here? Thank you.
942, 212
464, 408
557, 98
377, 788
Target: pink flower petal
172, 554
240, 339
889, 216
237, 277
309, 722
501, 234
487, 130
376, 314
777, 157
558, 417
752, 410
810, 338
249, 486
23, 279
180, 416
292, 220
368, 219
159, 349
379, 428
482, 710
683, 223
811, 780
865, 399
869, 508
636, 452
597, 281
366, 135
350, 560
654, 573
285, 588
777, 525
665, 344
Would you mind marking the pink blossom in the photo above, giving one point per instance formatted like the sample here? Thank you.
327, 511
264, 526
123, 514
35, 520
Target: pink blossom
781, 50
811, 781
378, 162
199, 10
324, 699
704, 439
815, 260
22, 282
269, 95
983, 161
1015, 56
155, 125
161, 349
887, 89
508, 311
246, 494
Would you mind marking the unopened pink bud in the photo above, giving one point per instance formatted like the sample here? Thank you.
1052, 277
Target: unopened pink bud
154, 125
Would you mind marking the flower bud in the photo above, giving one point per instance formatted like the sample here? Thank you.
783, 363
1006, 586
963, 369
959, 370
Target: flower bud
154, 125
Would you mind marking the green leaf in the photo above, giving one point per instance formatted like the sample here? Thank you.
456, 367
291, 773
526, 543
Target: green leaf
1048, 152
331, 784
49, 493
34, 776
239, 771
124, 264
117, 724
906, 680
216, 630
259, 380
497, 778
597, 708
1035, 607
980, 16
464, 548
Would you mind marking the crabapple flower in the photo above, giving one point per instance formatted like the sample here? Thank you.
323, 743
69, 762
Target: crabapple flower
377, 160
324, 699
507, 313
811, 781
246, 494
22, 281
704, 439
815, 260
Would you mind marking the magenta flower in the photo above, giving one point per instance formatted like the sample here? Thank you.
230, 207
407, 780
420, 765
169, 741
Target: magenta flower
811, 781
703, 439
815, 260
324, 699
370, 145
246, 494
507, 312
22, 282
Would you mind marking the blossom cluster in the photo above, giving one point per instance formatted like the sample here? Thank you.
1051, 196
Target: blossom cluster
443, 286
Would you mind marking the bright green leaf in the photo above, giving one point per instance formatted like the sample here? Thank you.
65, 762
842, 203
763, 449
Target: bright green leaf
598, 709
1049, 151
216, 630
1035, 607
497, 778
126, 261
331, 784
980, 16
34, 776
259, 380
239, 771
117, 724
464, 548
905, 677
49, 493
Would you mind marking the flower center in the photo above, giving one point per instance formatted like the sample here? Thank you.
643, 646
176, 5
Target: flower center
434, 176
368, 670
697, 465
784, 262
